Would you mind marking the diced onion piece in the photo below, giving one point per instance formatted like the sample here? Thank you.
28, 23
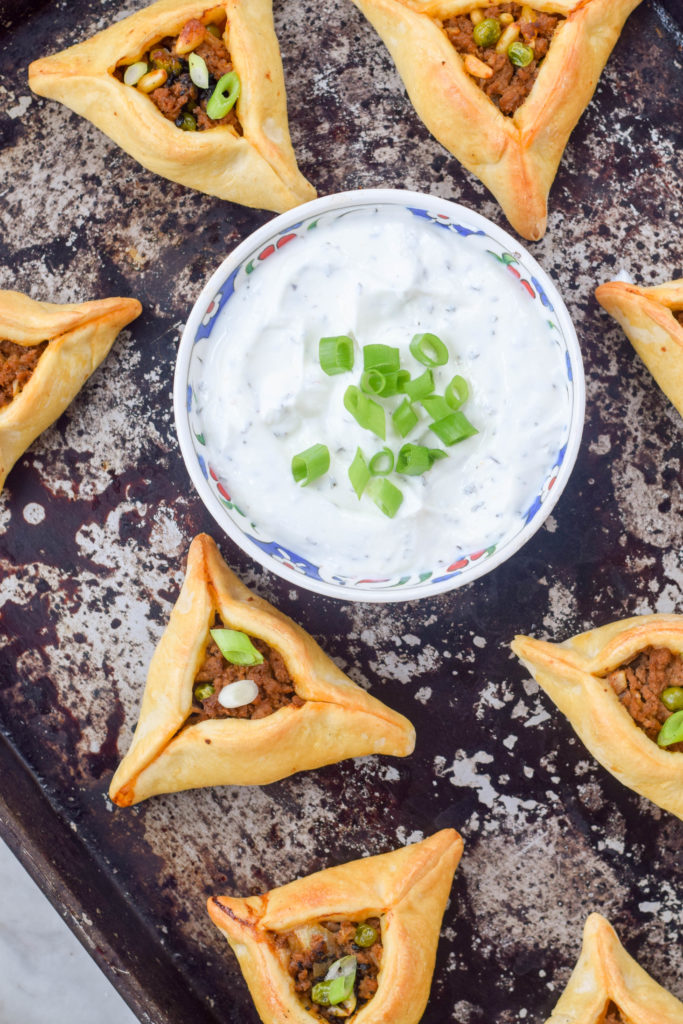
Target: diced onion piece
415, 459
236, 647
382, 463
359, 473
429, 350
457, 392
671, 731
237, 694
367, 413
419, 387
381, 357
311, 464
385, 495
224, 96
336, 355
404, 418
199, 72
134, 72
437, 407
453, 428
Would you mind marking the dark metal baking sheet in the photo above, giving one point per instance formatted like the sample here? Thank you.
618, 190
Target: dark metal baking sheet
96, 518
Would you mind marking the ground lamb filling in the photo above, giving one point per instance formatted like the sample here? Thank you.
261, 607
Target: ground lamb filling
678, 313
17, 363
508, 85
613, 1014
275, 686
639, 685
177, 97
309, 957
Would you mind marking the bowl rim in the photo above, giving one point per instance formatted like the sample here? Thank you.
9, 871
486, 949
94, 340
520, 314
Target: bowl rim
284, 221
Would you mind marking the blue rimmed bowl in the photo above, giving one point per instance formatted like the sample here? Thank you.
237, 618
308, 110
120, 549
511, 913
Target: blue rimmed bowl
296, 564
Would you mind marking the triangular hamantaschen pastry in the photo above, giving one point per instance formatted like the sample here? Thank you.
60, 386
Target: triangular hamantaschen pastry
505, 114
167, 121
381, 916
306, 713
47, 353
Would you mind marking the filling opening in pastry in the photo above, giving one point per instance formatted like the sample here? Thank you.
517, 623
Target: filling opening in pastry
613, 1015
17, 363
650, 687
256, 685
678, 313
334, 965
190, 77
503, 47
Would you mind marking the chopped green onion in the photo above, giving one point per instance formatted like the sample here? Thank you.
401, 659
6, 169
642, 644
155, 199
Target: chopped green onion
671, 731
311, 464
236, 647
359, 473
672, 698
365, 936
203, 691
415, 459
385, 495
372, 382
367, 413
429, 350
338, 983
457, 392
381, 357
419, 387
382, 463
383, 383
520, 54
437, 407
134, 72
453, 428
404, 418
336, 354
199, 72
224, 96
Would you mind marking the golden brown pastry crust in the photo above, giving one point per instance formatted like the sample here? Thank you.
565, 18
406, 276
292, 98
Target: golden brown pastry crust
647, 317
338, 719
515, 157
605, 972
79, 335
258, 169
573, 675
407, 888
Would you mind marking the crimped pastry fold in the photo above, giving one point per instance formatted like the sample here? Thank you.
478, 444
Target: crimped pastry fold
338, 719
573, 675
407, 889
257, 169
79, 336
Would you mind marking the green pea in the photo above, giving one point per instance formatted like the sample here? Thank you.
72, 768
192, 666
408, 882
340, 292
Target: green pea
520, 54
672, 698
204, 690
188, 123
487, 32
215, 31
365, 936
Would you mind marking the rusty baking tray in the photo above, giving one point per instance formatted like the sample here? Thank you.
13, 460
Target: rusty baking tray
97, 517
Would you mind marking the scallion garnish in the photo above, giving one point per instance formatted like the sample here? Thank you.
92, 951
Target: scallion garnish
385, 495
236, 647
382, 463
437, 406
134, 72
671, 731
372, 382
457, 392
336, 355
199, 72
311, 464
367, 413
404, 418
429, 350
419, 387
415, 459
224, 96
359, 473
381, 357
453, 428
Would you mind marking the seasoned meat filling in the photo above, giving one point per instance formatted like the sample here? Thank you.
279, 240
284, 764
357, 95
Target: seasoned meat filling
511, 62
17, 363
613, 1014
176, 95
275, 687
678, 313
309, 959
639, 685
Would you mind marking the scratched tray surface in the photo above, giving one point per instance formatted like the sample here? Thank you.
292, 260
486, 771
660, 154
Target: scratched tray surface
97, 517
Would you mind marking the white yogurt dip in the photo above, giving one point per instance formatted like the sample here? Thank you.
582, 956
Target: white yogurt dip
382, 276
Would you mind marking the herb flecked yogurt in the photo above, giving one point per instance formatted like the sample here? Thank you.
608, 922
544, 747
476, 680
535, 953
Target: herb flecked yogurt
381, 276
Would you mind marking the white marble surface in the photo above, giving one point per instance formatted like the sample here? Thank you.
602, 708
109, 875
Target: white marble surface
45, 974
